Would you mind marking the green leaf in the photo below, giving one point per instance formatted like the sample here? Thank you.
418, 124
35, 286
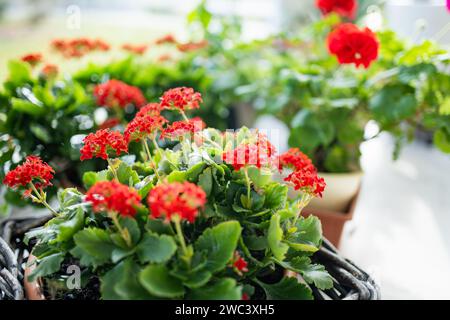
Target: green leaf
47, 265
274, 238
125, 174
176, 176
442, 140
219, 244
68, 228
312, 273
131, 225
156, 248
94, 247
27, 107
287, 289
197, 279
444, 108
158, 282
121, 283
205, 181
19, 73
276, 195
40, 132
308, 236
393, 103
223, 289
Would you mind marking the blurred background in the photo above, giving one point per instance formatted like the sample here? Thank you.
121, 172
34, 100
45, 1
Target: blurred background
401, 229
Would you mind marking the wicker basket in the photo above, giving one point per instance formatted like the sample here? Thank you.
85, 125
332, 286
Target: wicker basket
350, 282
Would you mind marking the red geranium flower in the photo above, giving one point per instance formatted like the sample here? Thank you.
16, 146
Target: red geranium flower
33, 170
307, 181
353, 45
32, 58
182, 98
143, 126
296, 159
115, 93
345, 8
152, 109
100, 143
136, 49
166, 39
180, 128
113, 196
182, 199
49, 71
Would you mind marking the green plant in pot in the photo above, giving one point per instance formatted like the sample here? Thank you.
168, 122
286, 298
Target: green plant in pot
203, 219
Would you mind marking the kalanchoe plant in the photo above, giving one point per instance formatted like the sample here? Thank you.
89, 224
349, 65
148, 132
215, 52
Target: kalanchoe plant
183, 223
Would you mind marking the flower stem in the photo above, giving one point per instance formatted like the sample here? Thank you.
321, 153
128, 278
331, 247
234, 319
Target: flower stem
301, 204
183, 114
41, 197
248, 183
123, 232
149, 155
177, 221
113, 170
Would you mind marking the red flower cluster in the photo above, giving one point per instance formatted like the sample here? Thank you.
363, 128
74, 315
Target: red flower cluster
79, 47
239, 263
98, 144
345, 8
182, 98
115, 93
113, 196
32, 170
307, 181
143, 126
261, 153
296, 159
136, 49
192, 46
152, 109
167, 39
49, 71
110, 123
180, 128
32, 58
353, 45
182, 199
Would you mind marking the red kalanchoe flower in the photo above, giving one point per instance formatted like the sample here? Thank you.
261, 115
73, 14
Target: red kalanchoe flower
182, 98
102, 142
307, 180
192, 46
167, 39
245, 296
33, 170
49, 71
171, 199
164, 57
152, 109
295, 159
110, 123
239, 263
113, 196
32, 58
344, 8
79, 47
136, 49
143, 126
181, 128
115, 93
353, 45
260, 154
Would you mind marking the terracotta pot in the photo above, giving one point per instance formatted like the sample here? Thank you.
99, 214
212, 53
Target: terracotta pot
333, 221
33, 289
340, 191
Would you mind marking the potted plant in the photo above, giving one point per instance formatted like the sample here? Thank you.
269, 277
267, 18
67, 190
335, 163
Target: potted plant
200, 220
